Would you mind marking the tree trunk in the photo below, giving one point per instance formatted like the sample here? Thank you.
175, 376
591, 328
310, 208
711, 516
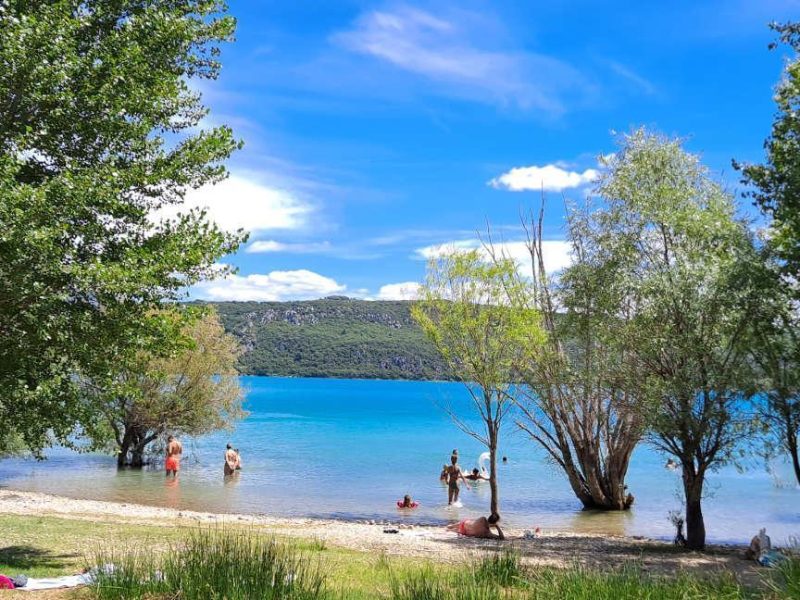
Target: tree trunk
137, 456
494, 506
791, 444
124, 448
134, 443
693, 490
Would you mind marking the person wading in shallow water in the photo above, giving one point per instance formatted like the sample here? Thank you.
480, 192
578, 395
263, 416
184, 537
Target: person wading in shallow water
453, 475
231, 460
173, 462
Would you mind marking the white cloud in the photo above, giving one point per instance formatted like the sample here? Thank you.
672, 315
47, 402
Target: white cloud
557, 253
458, 51
242, 202
550, 178
270, 287
399, 291
266, 246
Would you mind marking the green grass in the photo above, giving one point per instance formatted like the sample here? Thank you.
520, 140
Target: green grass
47, 546
212, 564
504, 576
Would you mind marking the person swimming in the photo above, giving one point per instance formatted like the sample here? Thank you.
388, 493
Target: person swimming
476, 476
453, 475
407, 502
479, 528
443, 474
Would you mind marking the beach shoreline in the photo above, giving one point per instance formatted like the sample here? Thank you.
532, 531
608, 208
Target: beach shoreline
550, 549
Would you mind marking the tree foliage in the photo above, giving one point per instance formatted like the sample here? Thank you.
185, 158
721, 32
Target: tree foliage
777, 182
667, 234
464, 311
98, 130
192, 390
775, 350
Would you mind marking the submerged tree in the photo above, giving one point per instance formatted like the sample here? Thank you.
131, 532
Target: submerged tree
99, 128
464, 311
668, 234
193, 390
585, 403
775, 350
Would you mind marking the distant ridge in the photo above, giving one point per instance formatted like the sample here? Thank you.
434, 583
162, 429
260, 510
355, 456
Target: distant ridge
333, 337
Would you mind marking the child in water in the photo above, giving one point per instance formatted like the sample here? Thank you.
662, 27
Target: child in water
407, 502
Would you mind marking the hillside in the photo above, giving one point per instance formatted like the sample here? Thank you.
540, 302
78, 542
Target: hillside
333, 337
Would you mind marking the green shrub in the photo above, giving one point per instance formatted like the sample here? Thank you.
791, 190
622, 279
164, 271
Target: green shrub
211, 565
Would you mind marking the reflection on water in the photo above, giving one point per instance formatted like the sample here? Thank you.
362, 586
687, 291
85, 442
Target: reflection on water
599, 521
351, 449
172, 493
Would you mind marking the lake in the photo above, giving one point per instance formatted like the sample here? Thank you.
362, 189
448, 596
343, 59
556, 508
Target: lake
350, 448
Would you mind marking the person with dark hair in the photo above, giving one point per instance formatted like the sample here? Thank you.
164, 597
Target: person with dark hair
231, 459
453, 475
476, 476
172, 464
479, 528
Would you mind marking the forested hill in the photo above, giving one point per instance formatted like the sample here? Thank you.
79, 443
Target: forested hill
333, 337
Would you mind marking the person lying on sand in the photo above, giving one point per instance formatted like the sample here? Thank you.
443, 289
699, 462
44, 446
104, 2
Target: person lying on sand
479, 528
453, 475
476, 476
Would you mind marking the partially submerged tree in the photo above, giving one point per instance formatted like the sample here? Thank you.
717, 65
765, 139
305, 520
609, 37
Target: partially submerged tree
193, 390
98, 130
775, 351
585, 406
464, 311
668, 233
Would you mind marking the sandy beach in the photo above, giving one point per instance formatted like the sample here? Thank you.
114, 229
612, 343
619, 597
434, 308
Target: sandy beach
551, 548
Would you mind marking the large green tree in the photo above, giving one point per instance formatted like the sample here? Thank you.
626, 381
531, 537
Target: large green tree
192, 390
666, 233
464, 310
99, 128
585, 405
776, 184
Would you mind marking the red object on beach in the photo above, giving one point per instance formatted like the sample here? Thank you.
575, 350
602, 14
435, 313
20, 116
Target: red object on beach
6, 583
401, 504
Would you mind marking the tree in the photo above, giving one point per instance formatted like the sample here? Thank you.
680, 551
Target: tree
98, 130
777, 183
667, 234
585, 404
775, 351
463, 309
192, 391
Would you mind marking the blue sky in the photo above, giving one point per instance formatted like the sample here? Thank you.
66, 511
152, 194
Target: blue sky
376, 133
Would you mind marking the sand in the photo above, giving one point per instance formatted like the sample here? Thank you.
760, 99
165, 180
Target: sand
550, 548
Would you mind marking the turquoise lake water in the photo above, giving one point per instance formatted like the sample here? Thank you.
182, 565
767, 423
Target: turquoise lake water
351, 448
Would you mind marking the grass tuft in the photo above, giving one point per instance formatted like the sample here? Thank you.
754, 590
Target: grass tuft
504, 569
211, 565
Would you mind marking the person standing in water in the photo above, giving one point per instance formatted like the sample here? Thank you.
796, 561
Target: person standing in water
231, 460
453, 475
172, 464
